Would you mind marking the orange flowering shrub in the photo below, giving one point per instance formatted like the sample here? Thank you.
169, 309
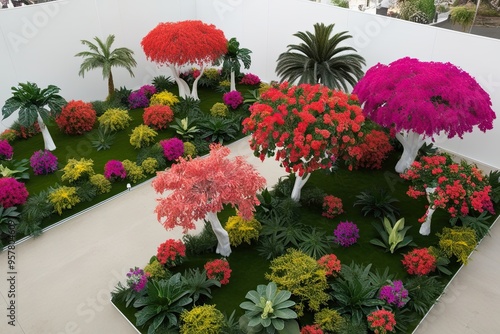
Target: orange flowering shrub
76, 118
158, 116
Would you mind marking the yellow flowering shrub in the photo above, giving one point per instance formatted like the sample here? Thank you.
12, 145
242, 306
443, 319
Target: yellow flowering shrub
212, 74
225, 84
300, 274
241, 230
263, 87
142, 135
135, 173
164, 98
115, 119
63, 198
102, 184
458, 241
189, 149
156, 270
150, 165
219, 109
77, 170
204, 319
329, 320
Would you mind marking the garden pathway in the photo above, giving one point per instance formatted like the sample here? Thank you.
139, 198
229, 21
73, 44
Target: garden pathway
64, 277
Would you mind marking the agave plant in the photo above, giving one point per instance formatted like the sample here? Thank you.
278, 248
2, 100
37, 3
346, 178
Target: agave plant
218, 129
185, 128
102, 138
392, 237
378, 203
268, 311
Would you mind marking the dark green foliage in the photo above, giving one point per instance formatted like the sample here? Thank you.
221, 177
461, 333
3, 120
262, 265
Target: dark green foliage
231, 325
121, 96
284, 186
270, 247
378, 203
197, 283
350, 327
101, 138
392, 235
187, 107
494, 181
204, 242
155, 152
218, 129
312, 197
480, 224
202, 146
162, 83
86, 191
428, 149
381, 278
9, 219
423, 291
126, 294
15, 168
34, 211
100, 107
315, 243
281, 230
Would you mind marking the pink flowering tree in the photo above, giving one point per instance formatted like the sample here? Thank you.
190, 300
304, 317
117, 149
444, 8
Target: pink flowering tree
201, 187
305, 127
421, 100
185, 43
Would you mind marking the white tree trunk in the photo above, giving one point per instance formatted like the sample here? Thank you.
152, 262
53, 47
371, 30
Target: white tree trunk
47, 138
300, 181
223, 245
411, 142
184, 90
194, 91
233, 82
425, 228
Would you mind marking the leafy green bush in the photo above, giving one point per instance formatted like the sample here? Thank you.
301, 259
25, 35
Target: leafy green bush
315, 243
115, 119
198, 284
9, 219
156, 152
78, 170
312, 197
34, 211
86, 192
218, 130
150, 165
329, 320
63, 198
102, 184
142, 135
101, 138
423, 291
219, 109
204, 242
241, 230
463, 16
134, 172
202, 319
187, 107
162, 83
378, 203
189, 149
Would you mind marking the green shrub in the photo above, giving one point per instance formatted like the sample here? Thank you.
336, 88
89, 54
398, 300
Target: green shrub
198, 284
115, 119
187, 107
156, 152
135, 173
340, 3
378, 203
100, 107
34, 211
420, 11
301, 275
78, 170
329, 320
150, 165
423, 291
204, 319
458, 242
312, 197
102, 184
204, 242
463, 16
63, 198
189, 149
162, 83
241, 230
164, 98
101, 138
142, 135
86, 191
219, 109
156, 270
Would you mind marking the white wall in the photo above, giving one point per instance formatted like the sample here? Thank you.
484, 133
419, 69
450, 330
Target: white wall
38, 44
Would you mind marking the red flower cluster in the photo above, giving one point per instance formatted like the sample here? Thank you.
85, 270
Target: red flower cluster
331, 264
374, 149
24, 132
307, 127
460, 188
76, 118
332, 206
311, 329
219, 270
419, 262
381, 321
171, 252
158, 116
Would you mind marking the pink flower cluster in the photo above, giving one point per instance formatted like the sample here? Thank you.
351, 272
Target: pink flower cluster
173, 148
311, 329
43, 162
233, 99
140, 98
114, 170
250, 79
137, 279
394, 294
6, 150
12, 192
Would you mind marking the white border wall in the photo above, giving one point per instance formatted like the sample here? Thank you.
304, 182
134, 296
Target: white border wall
38, 44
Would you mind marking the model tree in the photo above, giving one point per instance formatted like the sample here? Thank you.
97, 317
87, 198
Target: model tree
306, 127
231, 60
202, 186
184, 43
421, 100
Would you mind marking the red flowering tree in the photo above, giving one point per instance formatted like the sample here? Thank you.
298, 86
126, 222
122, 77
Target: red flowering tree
184, 43
202, 186
422, 99
306, 127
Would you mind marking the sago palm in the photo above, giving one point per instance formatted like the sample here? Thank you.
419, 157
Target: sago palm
102, 56
320, 59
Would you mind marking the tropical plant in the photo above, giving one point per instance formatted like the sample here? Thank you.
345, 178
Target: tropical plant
76, 118
121, 96
378, 203
35, 105
268, 311
218, 129
187, 107
15, 168
102, 56
312, 197
494, 181
33, 212
320, 59
463, 15
162, 82
101, 138
315, 243
142, 135
198, 284
282, 230
232, 59
458, 242
480, 224
204, 319
9, 219
423, 291
392, 237
86, 191
185, 128
164, 301
115, 119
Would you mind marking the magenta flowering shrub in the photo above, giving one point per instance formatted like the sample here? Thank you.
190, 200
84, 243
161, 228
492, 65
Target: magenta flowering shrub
173, 148
346, 234
250, 79
137, 99
137, 279
43, 162
12, 192
233, 99
6, 150
114, 170
148, 90
394, 294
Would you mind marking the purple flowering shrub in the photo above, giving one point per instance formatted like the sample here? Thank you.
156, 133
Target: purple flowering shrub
6, 150
12, 192
250, 79
394, 294
137, 279
148, 90
173, 148
137, 99
346, 234
43, 162
114, 170
233, 99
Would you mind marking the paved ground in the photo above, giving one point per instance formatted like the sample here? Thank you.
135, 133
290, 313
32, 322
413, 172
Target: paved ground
64, 278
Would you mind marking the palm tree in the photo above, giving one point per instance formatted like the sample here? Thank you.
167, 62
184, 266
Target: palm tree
319, 59
231, 60
31, 101
101, 55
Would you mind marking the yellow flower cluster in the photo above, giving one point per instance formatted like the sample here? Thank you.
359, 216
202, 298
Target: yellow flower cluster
241, 230
63, 198
142, 135
204, 319
78, 169
115, 119
164, 98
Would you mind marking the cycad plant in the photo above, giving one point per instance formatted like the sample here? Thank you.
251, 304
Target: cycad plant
231, 60
320, 59
102, 56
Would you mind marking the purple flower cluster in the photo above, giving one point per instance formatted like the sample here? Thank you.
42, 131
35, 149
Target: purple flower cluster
137, 279
148, 90
114, 169
6, 151
173, 148
346, 234
140, 98
233, 99
394, 294
12, 192
250, 79
43, 162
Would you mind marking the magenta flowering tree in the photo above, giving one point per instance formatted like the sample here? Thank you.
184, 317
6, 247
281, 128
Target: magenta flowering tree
173, 148
233, 99
12, 192
113, 170
43, 162
421, 100
6, 150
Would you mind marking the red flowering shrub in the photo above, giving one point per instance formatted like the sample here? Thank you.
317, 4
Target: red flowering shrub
250, 79
311, 329
76, 118
381, 321
219, 270
374, 149
24, 132
419, 262
12, 192
332, 206
331, 264
158, 116
171, 252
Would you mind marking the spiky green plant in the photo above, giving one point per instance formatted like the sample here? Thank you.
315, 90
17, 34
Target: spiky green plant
392, 237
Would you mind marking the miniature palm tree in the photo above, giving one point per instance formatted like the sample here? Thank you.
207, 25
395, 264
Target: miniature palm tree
32, 103
101, 55
231, 60
319, 59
